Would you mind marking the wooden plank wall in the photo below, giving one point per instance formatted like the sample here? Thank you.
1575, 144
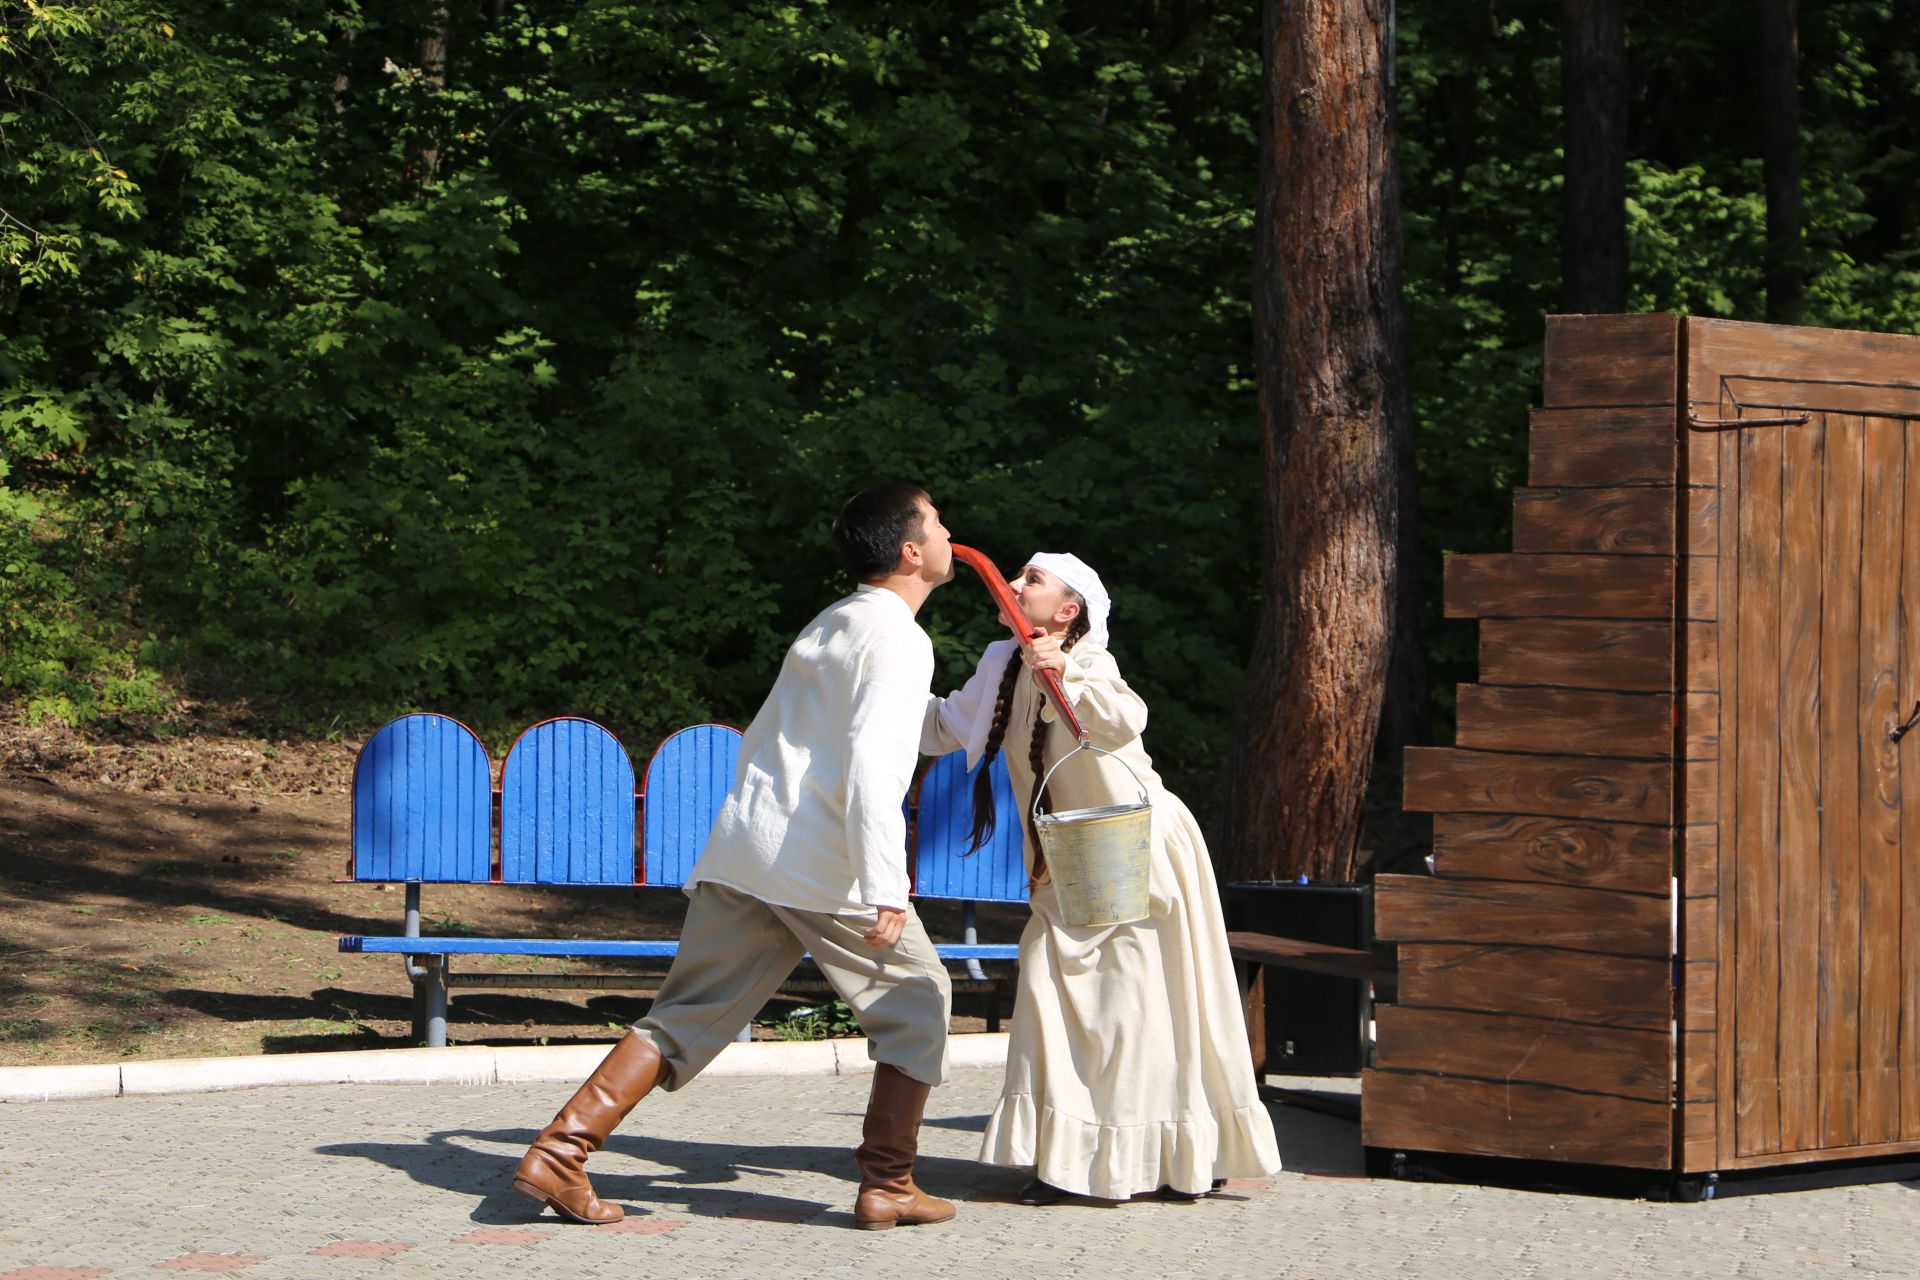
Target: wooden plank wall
1535, 987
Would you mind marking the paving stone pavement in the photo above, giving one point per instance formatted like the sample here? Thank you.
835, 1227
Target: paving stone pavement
753, 1177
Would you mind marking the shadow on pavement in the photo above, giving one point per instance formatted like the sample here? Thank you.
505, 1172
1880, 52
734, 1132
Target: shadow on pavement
656, 1175
1320, 1145
958, 1124
680, 1177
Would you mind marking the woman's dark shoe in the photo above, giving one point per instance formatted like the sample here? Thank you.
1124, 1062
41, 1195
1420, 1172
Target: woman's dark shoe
1182, 1197
1038, 1192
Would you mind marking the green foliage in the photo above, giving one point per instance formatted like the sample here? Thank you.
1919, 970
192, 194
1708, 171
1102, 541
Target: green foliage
527, 383
52, 653
822, 1022
531, 387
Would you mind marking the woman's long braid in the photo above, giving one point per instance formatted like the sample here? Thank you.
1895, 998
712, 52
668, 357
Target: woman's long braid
983, 815
1037, 748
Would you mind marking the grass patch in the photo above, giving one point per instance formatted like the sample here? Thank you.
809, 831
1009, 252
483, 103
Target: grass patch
445, 922
829, 1021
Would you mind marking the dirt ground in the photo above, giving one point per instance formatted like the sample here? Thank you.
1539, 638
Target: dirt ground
182, 897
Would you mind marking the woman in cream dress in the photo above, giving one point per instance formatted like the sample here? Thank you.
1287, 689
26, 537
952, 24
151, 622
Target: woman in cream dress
1127, 1063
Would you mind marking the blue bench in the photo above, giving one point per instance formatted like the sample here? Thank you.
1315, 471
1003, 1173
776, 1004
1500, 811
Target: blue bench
425, 811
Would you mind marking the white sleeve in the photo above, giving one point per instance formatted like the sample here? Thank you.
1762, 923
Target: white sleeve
889, 705
950, 721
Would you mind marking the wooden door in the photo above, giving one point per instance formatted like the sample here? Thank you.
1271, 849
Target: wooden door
1813, 582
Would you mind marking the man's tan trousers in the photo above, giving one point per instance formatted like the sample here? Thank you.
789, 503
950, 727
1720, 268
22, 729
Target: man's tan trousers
736, 950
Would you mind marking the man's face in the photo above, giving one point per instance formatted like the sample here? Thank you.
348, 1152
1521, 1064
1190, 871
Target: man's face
935, 545
1043, 598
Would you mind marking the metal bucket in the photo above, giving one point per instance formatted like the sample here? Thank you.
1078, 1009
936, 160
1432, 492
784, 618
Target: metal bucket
1099, 857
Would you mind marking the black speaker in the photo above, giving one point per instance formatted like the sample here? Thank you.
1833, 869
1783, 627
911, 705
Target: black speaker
1315, 1024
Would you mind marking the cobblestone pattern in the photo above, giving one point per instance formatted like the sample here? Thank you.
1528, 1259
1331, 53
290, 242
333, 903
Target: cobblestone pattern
753, 1178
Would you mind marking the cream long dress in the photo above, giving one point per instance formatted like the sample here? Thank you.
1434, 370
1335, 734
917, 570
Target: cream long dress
1127, 1061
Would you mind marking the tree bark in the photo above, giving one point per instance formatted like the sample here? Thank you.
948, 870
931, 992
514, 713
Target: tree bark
1780, 116
1330, 342
433, 71
1593, 211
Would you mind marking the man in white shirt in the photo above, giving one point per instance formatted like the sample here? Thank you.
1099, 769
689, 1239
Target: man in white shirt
807, 855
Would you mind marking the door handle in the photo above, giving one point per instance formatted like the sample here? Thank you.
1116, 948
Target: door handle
1900, 730
1698, 423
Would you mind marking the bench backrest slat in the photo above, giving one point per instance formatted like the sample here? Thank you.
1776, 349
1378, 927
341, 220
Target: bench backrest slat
566, 806
422, 803
687, 782
996, 872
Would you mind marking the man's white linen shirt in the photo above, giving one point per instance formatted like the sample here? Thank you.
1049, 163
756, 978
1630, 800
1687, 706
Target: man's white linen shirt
814, 819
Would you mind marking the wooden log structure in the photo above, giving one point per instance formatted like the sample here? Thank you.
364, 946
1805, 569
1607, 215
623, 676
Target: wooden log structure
1674, 916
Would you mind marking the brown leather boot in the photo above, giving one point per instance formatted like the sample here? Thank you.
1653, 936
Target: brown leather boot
887, 1195
554, 1169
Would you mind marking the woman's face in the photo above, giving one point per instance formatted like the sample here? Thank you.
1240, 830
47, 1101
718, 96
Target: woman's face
1043, 598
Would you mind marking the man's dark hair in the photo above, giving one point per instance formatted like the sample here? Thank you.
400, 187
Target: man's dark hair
872, 525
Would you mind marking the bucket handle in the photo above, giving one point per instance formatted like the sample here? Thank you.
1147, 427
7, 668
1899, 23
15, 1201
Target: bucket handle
1084, 746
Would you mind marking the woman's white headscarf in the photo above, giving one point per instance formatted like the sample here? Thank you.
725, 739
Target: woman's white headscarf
1080, 577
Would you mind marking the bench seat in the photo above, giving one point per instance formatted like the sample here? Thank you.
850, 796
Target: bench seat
1313, 957
640, 948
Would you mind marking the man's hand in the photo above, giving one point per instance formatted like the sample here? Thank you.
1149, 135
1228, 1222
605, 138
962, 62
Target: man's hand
886, 932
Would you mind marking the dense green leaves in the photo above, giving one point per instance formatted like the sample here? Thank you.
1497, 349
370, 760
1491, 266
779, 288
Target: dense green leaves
526, 380
531, 386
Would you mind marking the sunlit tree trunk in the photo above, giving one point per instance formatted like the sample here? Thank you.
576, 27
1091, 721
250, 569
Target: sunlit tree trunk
1330, 342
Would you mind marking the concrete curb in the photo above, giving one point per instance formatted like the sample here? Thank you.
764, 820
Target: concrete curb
459, 1065
51, 1084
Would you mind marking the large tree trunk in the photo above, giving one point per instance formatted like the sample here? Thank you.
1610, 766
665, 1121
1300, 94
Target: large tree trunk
1330, 341
1780, 114
1593, 211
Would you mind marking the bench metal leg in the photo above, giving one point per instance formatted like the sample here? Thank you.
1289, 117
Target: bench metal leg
428, 974
970, 934
429, 977
417, 975
434, 991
